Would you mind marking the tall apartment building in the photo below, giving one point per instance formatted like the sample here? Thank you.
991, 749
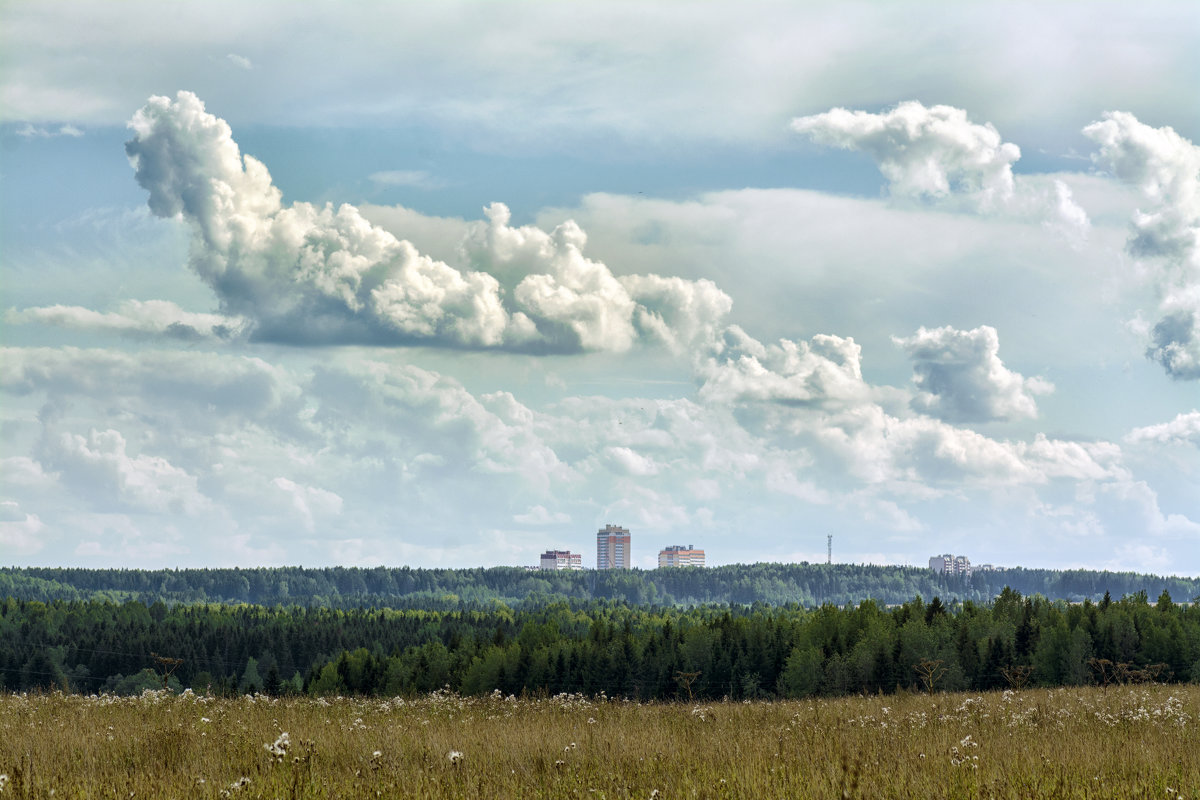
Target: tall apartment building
677, 555
949, 564
612, 547
561, 559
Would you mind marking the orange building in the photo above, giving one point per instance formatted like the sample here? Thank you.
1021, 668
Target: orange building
612, 547
677, 555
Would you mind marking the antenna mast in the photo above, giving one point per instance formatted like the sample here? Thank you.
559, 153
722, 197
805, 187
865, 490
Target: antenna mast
829, 548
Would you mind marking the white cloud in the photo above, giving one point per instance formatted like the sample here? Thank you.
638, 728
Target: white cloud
415, 178
1140, 505
24, 472
309, 504
541, 77
416, 436
300, 272
937, 154
100, 463
317, 276
1165, 168
150, 318
811, 397
627, 461
682, 314
823, 371
1184, 429
798, 419
29, 131
923, 152
21, 534
961, 378
540, 515
1140, 557
809, 262
192, 383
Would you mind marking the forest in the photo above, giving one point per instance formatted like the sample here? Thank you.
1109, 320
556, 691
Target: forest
804, 584
649, 652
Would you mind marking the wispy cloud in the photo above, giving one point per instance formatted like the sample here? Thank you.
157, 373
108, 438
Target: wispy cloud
30, 131
414, 178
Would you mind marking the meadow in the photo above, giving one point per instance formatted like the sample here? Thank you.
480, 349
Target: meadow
1124, 741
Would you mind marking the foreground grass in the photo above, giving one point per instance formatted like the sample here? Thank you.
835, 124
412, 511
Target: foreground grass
1135, 742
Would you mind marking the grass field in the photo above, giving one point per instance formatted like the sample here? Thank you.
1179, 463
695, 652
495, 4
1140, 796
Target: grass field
1133, 741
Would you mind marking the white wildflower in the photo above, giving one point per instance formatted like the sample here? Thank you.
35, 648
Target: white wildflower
279, 749
236, 786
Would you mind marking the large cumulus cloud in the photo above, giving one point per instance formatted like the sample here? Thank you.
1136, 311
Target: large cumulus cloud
922, 151
303, 273
938, 154
1165, 168
823, 371
960, 377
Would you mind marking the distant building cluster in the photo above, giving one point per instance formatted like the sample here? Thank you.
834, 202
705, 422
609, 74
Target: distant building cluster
677, 555
948, 564
958, 565
561, 559
613, 551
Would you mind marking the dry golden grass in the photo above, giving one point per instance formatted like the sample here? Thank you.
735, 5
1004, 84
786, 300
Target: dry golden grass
1135, 742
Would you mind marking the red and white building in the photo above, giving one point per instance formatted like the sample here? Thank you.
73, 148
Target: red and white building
677, 555
561, 559
612, 547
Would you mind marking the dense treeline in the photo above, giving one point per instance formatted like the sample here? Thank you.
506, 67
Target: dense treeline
645, 652
403, 587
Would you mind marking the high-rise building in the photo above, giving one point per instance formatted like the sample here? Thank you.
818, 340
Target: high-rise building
561, 559
677, 555
949, 564
612, 547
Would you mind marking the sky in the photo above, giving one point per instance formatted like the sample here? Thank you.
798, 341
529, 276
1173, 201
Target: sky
450, 284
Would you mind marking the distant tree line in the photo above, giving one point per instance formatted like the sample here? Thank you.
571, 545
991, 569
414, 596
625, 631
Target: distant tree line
803, 584
645, 652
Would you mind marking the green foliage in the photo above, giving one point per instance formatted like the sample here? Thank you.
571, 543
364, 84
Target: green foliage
449, 589
736, 652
